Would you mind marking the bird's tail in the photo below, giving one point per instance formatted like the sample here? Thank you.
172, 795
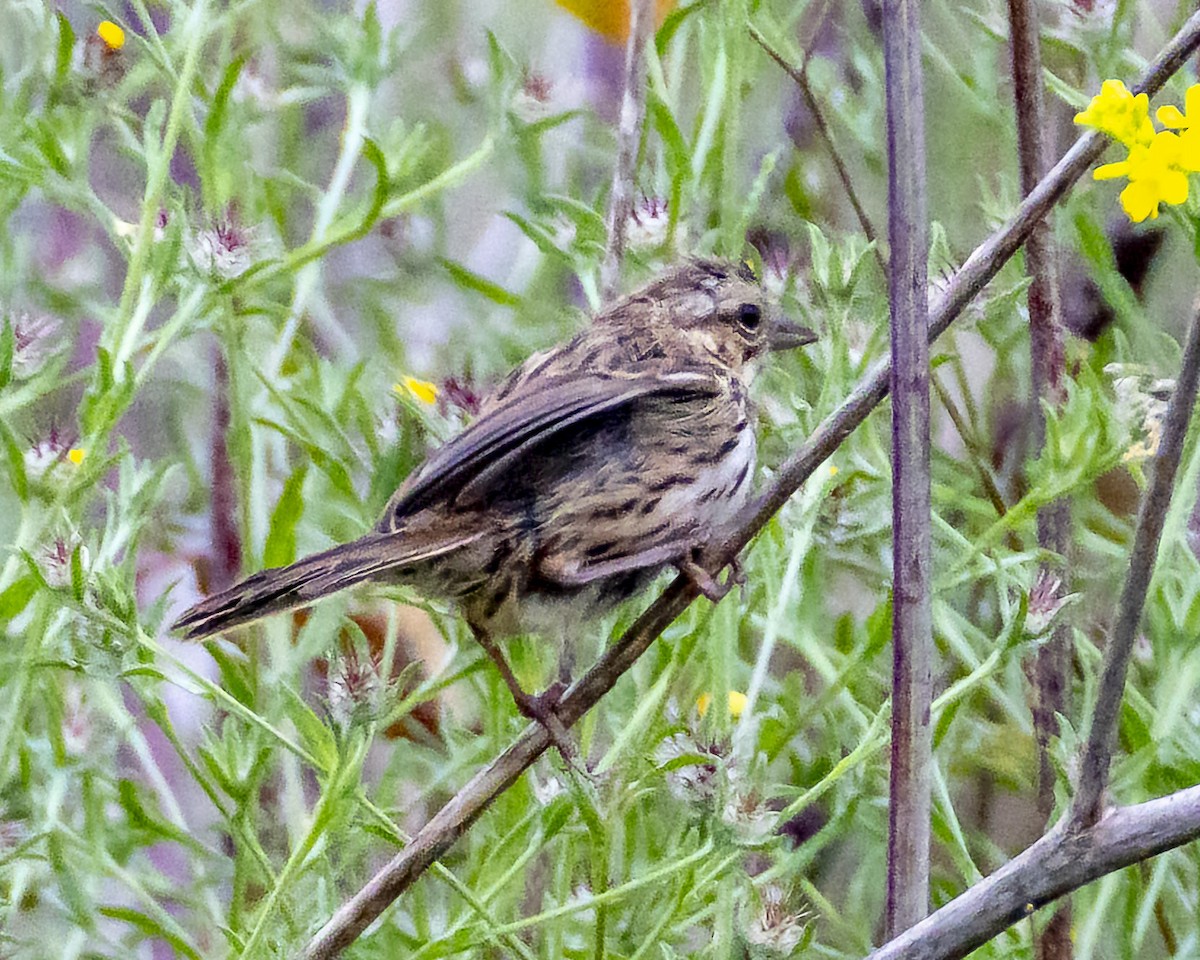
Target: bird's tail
283, 588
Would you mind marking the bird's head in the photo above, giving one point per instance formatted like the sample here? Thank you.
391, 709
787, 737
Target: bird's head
711, 310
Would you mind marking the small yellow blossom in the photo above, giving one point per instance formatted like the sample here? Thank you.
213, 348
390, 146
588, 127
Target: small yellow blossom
833, 470
423, 390
76, 455
1157, 174
1171, 118
610, 18
737, 703
1120, 114
112, 35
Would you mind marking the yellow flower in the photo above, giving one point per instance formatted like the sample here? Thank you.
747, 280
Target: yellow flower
1170, 117
1157, 174
1117, 112
112, 35
76, 455
423, 390
610, 18
737, 703
1188, 121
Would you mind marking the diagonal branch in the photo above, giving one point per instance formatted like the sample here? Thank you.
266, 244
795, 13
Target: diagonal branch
1097, 752
456, 817
1061, 861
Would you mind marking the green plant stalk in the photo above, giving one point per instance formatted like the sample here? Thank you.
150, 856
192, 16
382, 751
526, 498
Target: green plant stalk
236, 707
877, 736
321, 818
612, 895
734, 28
358, 102
127, 326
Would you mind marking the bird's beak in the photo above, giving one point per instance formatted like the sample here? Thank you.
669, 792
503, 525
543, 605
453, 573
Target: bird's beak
785, 335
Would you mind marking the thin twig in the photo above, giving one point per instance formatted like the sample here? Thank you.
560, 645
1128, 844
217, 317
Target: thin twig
1061, 861
800, 76
629, 136
456, 817
912, 553
1052, 660
1097, 752
986, 480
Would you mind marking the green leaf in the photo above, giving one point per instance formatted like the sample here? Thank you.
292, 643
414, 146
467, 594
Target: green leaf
152, 928
280, 548
678, 155
16, 462
64, 868
234, 676
213, 172
66, 49
469, 280
8, 343
77, 572
316, 735
143, 819
16, 597
673, 22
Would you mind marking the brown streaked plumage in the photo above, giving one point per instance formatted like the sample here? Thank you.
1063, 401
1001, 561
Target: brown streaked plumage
590, 469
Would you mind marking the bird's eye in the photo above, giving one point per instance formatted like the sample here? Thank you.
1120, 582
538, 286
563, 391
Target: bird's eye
749, 316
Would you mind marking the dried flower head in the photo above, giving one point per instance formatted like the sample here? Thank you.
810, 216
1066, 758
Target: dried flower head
44, 455
35, 340
461, 395
774, 930
57, 559
1046, 600
693, 770
648, 224
225, 249
355, 688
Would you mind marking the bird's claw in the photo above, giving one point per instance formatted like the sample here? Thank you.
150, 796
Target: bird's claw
709, 585
542, 709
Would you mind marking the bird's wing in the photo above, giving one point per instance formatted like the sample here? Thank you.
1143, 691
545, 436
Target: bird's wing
497, 441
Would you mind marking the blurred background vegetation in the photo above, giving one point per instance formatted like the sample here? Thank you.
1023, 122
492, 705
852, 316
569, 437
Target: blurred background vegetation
257, 258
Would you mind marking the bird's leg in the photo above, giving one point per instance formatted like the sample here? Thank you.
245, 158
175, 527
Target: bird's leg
538, 707
704, 581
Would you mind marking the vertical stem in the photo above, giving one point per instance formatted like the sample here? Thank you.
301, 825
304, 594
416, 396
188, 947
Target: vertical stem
912, 624
1097, 752
1052, 660
629, 135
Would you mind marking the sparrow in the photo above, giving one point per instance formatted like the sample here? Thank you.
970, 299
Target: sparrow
589, 470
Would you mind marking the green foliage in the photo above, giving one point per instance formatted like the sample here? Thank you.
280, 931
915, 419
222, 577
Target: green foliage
223, 246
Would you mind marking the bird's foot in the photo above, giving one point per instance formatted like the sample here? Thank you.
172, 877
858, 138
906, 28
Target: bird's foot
706, 583
541, 708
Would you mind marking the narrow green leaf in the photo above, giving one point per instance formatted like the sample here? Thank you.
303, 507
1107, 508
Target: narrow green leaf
469, 280
16, 462
8, 343
151, 928
77, 572
280, 548
16, 597
66, 49
316, 735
